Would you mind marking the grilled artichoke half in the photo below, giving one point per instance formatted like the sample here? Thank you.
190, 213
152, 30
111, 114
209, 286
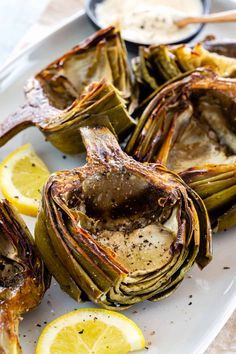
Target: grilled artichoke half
23, 277
61, 127
189, 124
53, 97
118, 230
157, 64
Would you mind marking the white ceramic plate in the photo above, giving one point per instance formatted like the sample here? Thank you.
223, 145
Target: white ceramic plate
186, 322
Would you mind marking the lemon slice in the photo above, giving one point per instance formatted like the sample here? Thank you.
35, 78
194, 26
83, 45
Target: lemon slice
90, 331
22, 175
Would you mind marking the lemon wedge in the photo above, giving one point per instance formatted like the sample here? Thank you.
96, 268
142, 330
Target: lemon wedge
90, 331
22, 176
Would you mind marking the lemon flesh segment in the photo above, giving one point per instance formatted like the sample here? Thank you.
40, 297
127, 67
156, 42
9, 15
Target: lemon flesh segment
22, 176
91, 331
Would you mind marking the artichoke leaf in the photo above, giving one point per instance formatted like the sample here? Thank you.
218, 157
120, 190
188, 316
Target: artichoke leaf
65, 280
122, 230
226, 220
164, 62
216, 184
145, 74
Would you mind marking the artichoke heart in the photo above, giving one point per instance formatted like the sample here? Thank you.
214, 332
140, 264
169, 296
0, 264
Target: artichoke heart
68, 91
191, 124
156, 65
119, 231
23, 276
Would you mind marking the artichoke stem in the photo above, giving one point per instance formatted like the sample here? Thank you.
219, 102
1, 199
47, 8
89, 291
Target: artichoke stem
14, 123
100, 146
9, 328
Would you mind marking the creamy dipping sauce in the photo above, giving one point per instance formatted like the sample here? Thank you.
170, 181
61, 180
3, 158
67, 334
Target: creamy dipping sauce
149, 21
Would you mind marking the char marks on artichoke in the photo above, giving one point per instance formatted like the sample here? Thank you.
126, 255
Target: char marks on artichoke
120, 231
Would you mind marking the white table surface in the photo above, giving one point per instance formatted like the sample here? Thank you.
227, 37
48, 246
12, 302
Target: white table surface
23, 22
